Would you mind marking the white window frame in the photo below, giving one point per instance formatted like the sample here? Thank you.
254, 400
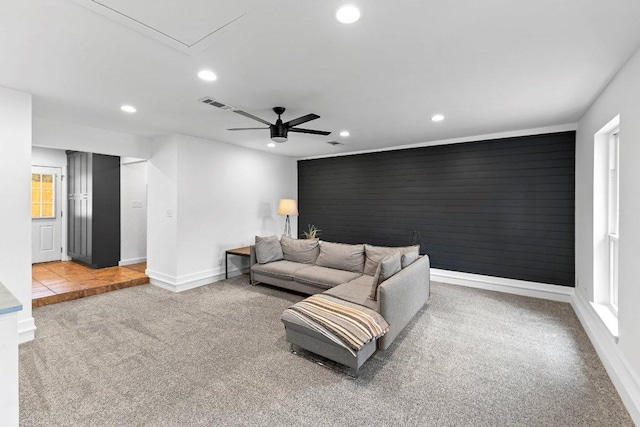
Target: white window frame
606, 232
40, 202
613, 217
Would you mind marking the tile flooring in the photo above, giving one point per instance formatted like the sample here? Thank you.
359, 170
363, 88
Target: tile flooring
59, 281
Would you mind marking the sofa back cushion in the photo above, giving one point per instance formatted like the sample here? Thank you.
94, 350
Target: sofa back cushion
268, 249
375, 254
305, 251
341, 256
389, 266
409, 258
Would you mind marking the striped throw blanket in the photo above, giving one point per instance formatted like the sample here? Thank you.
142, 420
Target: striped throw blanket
353, 325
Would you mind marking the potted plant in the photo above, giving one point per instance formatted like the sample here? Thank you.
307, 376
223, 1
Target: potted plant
312, 232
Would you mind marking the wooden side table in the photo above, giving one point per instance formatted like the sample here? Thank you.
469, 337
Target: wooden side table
244, 251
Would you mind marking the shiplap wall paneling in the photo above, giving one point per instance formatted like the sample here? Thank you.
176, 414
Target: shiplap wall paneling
502, 207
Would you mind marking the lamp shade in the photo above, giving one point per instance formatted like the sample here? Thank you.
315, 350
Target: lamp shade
287, 207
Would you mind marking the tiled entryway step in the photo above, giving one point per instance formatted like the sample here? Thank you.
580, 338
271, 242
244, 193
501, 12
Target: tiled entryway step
54, 282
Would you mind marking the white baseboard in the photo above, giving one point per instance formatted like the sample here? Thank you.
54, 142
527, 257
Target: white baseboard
501, 284
26, 330
624, 379
132, 261
190, 281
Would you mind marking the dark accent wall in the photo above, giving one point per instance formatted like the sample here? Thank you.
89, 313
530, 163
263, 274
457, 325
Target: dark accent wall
501, 207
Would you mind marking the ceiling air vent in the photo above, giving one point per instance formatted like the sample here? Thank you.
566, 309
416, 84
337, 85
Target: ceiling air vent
214, 103
334, 143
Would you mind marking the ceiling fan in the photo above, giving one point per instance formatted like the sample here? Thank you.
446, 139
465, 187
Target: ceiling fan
280, 130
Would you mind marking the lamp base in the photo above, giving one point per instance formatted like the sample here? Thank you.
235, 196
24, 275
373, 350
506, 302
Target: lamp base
287, 227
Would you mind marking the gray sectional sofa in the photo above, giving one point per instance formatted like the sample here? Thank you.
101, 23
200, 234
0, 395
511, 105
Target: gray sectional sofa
349, 273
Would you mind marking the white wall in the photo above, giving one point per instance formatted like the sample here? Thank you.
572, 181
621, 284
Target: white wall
225, 196
9, 391
15, 232
133, 218
67, 136
622, 96
52, 157
15, 203
162, 201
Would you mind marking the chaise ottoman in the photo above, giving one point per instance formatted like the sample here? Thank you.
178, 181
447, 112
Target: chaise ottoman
341, 331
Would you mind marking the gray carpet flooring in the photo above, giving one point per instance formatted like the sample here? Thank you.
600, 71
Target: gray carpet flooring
216, 356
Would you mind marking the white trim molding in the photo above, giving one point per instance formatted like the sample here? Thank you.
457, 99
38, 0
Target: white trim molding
501, 284
26, 330
623, 378
131, 261
190, 281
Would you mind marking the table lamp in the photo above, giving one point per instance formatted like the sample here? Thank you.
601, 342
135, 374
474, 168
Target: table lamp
287, 207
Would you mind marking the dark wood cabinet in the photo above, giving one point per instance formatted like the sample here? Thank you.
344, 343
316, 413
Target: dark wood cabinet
93, 209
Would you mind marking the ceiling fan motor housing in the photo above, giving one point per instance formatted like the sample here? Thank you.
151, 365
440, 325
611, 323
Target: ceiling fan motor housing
278, 132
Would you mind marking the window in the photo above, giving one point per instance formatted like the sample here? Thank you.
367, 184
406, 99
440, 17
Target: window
613, 208
43, 195
606, 224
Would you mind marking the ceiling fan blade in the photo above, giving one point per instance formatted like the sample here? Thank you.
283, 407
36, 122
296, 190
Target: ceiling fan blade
315, 132
251, 116
247, 128
301, 120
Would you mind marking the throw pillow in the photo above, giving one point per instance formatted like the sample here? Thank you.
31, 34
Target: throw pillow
341, 256
389, 266
409, 258
268, 249
305, 251
375, 254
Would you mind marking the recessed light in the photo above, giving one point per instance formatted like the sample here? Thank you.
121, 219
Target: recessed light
207, 75
437, 118
347, 14
344, 133
128, 108
271, 145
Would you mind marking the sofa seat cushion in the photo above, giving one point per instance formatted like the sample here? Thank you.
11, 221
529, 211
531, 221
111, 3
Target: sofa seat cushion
280, 269
356, 291
324, 277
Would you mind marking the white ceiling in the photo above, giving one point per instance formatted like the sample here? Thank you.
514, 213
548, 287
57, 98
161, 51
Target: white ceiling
489, 66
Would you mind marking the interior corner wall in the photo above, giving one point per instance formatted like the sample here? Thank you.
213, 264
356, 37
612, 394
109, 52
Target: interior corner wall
133, 218
162, 202
220, 196
226, 196
622, 97
15, 212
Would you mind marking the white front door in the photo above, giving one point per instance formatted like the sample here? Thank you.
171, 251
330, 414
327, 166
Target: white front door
46, 214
